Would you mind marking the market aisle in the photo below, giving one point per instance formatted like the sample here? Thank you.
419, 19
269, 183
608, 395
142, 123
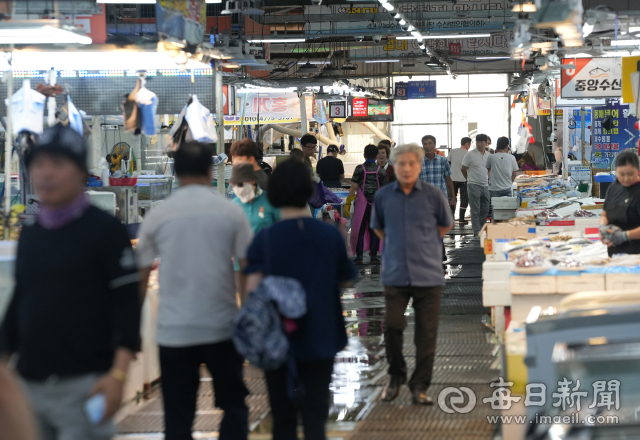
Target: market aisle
466, 356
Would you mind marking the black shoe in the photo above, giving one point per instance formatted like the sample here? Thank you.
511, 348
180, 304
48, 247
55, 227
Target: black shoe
375, 259
420, 397
393, 389
358, 260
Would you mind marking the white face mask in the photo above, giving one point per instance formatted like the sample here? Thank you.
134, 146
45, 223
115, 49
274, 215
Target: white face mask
245, 193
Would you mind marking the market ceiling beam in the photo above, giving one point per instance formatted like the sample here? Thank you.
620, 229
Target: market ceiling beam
498, 15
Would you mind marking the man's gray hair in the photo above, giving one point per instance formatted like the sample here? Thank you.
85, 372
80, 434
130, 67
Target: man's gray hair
408, 148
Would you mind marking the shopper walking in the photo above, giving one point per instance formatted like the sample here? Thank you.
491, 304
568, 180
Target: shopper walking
502, 168
330, 169
74, 319
254, 203
436, 169
313, 253
384, 150
459, 181
474, 169
247, 151
309, 145
196, 234
412, 216
367, 179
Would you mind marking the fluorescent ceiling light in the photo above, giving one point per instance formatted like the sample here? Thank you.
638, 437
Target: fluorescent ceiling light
417, 34
231, 65
402, 22
279, 40
213, 1
450, 36
313, 62
40, 32
128, 1
625, 43
493, 58
587, 29
388, 6
118, 59
382, 61
527, 7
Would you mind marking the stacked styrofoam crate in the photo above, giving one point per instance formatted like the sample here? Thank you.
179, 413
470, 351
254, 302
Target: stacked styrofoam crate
496, 287
504, 208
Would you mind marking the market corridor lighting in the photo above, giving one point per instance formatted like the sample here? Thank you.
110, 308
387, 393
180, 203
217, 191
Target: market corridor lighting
625, 42
526, 7
382, 61
388, 6
40, 32
444, 37
279, 40
417, 34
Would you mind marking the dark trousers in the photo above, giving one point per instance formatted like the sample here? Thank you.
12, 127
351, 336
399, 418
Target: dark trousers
464, 198
426, 303
315, 378
180, 369
374, 241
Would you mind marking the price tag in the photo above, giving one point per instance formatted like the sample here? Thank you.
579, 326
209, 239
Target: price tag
337, 109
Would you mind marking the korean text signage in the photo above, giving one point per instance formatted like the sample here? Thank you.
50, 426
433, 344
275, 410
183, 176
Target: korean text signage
275, 106
337, 109
360, 108
592, 78
368, 109
185, 20
421, 89
620, 135
400, 90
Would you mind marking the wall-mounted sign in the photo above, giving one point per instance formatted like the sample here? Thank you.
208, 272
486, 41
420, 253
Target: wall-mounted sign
592, 78
368, 109
617, 134
421, 89
338, 109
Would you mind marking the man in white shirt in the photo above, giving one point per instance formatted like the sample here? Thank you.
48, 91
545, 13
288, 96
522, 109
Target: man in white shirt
502, 168
196, 233
474, 169
459, 181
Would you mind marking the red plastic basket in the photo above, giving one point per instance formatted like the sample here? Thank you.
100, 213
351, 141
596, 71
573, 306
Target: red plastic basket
124, 181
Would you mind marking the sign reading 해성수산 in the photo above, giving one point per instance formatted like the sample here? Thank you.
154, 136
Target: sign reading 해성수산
592, 78
620, 136
421, 90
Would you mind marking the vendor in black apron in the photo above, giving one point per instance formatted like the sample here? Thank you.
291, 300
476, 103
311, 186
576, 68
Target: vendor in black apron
620, 221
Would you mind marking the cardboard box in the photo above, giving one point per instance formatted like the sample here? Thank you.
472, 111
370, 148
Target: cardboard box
503, 214
504, 230
582, 282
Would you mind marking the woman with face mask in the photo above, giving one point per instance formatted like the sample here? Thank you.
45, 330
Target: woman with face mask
620, 220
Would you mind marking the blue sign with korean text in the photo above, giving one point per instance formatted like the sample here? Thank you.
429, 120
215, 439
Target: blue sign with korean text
421, 90
620, 134
577, 116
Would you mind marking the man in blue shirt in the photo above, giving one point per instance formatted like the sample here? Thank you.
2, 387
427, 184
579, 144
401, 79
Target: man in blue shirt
412, 216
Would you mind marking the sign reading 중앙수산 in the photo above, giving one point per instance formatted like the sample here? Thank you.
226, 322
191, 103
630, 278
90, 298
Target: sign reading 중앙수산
592, 78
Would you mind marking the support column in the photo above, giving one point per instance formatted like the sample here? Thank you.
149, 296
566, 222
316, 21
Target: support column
220, 126
96, 144
304, 124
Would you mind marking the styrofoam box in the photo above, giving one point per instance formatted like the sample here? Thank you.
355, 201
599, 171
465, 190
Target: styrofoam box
497, 270
621, 281
580, 283
503, 214
505, 203
496, 293
524, 212
534, 284
521, 305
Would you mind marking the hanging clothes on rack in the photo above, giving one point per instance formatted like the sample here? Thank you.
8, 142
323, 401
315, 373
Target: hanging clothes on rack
132, 120
69, 114
27, 111
200, 122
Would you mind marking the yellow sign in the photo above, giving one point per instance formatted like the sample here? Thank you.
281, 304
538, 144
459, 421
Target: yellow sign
253, 120
629, 66
547, 112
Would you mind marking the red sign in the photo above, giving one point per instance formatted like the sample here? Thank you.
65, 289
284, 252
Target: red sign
360, 107
455, 48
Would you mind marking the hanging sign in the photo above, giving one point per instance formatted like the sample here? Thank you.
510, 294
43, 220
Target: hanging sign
252, 120
421, 90
359, 107
320, 112
369, 109
592, 78
400, 91
613, 131
338, 109
276, 105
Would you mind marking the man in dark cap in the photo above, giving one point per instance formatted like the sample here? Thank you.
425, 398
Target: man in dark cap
74, 318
